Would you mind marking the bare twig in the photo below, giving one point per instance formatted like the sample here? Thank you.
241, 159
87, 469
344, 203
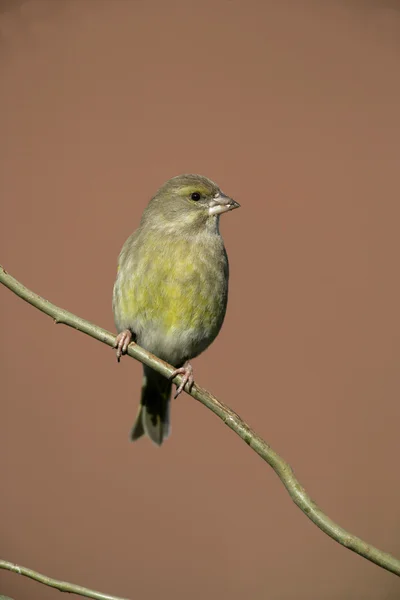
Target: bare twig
229, 417
62, 586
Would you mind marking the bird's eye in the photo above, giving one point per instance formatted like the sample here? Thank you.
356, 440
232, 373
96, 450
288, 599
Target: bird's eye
195, 196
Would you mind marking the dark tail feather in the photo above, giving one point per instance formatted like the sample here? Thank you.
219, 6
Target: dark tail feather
153, 416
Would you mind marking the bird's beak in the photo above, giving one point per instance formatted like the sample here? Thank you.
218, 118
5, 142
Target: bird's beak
221, 203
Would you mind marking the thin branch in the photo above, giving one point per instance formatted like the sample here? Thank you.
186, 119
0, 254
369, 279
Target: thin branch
229, 417
62, 586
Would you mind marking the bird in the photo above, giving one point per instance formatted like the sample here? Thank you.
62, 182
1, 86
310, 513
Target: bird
171, 290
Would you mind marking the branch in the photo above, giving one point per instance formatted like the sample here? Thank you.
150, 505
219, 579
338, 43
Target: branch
229, 417
62, 586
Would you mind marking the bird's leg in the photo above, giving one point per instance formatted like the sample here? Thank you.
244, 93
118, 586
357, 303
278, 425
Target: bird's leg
187, 372
122, 342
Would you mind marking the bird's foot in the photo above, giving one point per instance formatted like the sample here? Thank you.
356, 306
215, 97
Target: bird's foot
187, 372
122, 342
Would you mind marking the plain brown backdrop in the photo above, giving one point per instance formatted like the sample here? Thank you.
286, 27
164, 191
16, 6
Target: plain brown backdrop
293, 108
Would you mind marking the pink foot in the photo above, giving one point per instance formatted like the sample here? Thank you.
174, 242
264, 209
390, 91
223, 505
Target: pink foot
122, 342
187, 372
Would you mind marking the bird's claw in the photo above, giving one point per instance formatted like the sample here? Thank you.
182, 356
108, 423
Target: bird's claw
187, 379
122, 342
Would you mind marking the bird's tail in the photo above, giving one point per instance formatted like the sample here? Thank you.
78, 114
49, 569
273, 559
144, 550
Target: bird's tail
153, 416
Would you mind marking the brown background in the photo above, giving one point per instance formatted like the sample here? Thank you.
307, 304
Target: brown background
293, 108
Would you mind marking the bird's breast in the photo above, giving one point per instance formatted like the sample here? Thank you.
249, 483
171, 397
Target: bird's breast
173, 292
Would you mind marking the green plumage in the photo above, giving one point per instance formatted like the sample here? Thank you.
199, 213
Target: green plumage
172, 286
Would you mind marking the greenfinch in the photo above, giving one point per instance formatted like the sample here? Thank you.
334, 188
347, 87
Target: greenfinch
171, 290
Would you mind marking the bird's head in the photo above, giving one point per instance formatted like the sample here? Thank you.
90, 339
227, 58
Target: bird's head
188, 199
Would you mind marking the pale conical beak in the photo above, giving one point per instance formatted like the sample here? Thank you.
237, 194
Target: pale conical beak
221, 203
